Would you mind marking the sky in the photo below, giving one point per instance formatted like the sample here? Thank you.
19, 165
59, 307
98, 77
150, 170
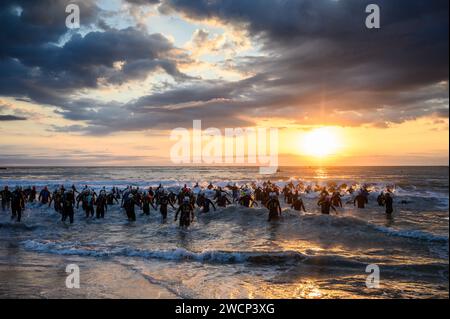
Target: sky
111, 92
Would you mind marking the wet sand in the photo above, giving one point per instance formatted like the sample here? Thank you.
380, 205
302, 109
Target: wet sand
38, 276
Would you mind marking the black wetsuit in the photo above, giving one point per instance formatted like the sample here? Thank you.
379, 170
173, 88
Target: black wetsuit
180, 198
286, 192
129, 209
164, 201
6, 199
298, 205
389, 202
290, 199
110, 198
186, 216
381, 200
17, 204
88, 205
222, 201
361, 200
206, 203
258, 194
32, 195
146, 202
326, 206
200, 200
274, 209
68, 201
44, 196
102, 206
57, 197
336, 200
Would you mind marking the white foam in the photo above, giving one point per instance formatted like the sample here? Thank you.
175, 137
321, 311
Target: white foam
179, 254
413, 234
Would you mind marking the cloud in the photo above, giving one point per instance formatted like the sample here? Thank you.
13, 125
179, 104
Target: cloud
228, 44
34, 66
316, 64
15, 113
8, 118
143, 2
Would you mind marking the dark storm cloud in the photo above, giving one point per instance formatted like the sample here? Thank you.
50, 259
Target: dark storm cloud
27, 23
33, 66
320, 52
109, 119
8, 118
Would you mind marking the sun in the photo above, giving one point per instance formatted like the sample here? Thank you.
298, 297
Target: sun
321, 142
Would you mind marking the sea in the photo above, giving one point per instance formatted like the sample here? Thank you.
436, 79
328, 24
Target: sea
233, 252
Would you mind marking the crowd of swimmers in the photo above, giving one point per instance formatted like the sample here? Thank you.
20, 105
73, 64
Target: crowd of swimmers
185, 200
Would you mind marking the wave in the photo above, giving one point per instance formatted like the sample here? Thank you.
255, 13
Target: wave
353, 222
18, 226
413, 234
411, 191
264, 258
179, 254
183, 255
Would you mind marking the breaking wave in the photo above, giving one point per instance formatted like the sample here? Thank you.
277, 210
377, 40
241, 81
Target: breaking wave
179, 254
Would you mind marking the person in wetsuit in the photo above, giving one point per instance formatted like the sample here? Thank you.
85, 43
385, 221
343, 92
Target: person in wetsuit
172, 197
258, 194
247, 201
111, 197
87, 198
380, 199
129, 205
205, 204
17, 204
326, 205
102, 205
57, 199
6, 198
274, 207
68, 202
336, 199
187, 213
362, 200
389, 203
290, 198
163, 203
286, 191
223, 201
32, 195
44, 196
147, 201
200, 199
235, 192
220, 192
298, 204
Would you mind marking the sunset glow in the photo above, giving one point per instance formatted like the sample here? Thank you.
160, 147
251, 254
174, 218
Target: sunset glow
321, 142
110, 92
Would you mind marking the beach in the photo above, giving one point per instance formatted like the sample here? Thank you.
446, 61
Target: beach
232, 252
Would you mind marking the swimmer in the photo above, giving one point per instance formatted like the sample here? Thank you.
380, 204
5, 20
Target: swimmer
274, 207
187, 213
326, 205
